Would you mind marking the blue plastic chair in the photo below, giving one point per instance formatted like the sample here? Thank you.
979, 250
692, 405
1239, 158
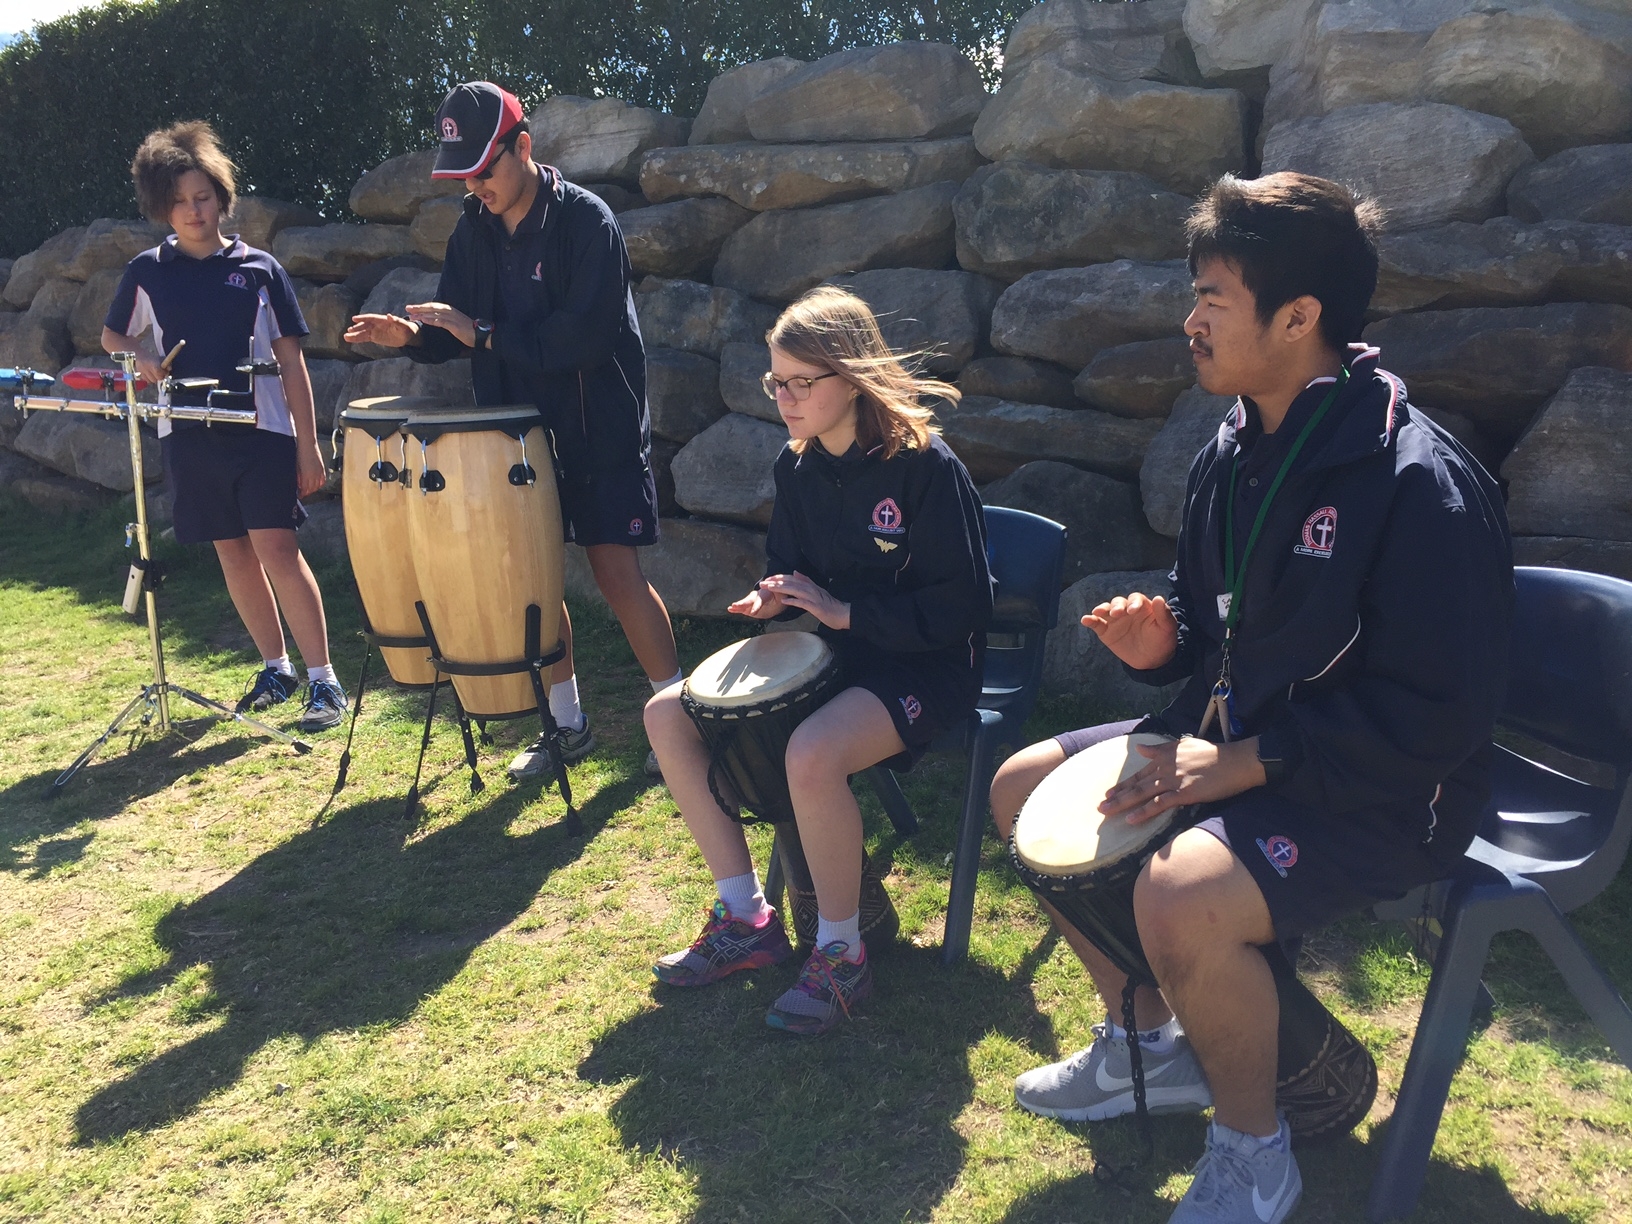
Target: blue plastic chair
1547, 844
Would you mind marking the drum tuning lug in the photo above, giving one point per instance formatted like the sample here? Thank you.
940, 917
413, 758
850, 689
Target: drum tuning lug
384, 472
430, 481
523, 474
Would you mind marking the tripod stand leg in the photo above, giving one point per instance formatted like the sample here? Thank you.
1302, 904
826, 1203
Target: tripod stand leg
575, 825
147, 696
424, 743
477, 786
227, 714
356, 710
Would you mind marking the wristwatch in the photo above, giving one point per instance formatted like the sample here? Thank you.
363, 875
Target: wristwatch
484, 335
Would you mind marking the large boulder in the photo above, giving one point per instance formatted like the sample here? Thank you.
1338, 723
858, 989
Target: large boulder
1183, 138
900, 91
1104, 523
259, 219
778, 255
49, 491
944, 314
1425, 163
1503, 263
31, 271
994, 437
1124, 42
1142, 379
55, 301
725, 471
1022, 379
91, 309
616, 196
1077, 663
447, 383
698, 318
394, 190
88, 448
700, 567
1571, 472
111, 245
723, 118
1017, 217
327, 310
367, 278
29, 343
763, 177
334, 252
594, 140
329, 378
433, 226
1497, 364
1587, 184
1194, 420
681, 238
742, 364
391, 296
1067, 315
1232, 36
683, 391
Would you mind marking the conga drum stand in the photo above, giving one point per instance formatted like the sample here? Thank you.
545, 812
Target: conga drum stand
153, 702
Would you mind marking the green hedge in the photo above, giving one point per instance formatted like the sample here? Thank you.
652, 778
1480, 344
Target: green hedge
308, 96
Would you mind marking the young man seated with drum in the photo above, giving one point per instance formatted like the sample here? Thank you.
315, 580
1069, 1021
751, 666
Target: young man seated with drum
536, 292
1339, 612
236, 486
878, 533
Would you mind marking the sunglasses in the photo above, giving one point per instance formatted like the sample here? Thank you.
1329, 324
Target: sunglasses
486, 173
797, 387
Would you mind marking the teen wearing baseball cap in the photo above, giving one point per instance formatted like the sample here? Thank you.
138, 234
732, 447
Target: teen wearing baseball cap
536, 291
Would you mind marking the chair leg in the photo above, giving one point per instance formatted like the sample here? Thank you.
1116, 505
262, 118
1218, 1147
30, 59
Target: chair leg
1436, 1052
1584, 976
888, 789
960, 902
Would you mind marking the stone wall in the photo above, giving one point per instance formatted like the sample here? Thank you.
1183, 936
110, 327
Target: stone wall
1031, 242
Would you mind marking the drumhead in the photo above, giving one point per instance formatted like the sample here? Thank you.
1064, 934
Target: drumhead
758, 669
1060, 831
444, 418
385, 407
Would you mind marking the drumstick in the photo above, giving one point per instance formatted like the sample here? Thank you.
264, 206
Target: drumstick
165, 364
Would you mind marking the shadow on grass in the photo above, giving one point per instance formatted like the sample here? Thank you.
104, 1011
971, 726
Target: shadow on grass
350, 923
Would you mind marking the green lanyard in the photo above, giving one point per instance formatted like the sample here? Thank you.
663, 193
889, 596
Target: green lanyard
1222, 704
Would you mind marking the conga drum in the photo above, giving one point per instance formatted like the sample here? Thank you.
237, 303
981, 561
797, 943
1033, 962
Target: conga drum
374, 488
484, 528
1085, 865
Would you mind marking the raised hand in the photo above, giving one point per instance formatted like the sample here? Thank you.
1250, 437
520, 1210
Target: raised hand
384, 329
798, 591
1138, 629
759, 604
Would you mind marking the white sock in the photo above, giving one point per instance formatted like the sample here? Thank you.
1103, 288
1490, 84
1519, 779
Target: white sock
564, 707
281, 663
1156, 1040
659, 685
1280, 1141
847, 932
326, 672
744, 898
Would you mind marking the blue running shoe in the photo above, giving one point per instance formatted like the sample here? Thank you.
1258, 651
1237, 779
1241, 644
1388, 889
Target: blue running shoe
271, 687
325, 706
724, 947
828, 989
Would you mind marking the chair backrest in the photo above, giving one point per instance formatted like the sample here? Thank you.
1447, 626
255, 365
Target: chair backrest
1570, 677
1026, 553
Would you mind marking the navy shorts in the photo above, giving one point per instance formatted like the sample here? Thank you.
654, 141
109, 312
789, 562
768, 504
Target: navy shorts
1311, 869
229, 480
617, 507
925, 694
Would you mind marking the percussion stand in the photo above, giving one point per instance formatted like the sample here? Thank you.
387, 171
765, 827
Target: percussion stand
154, 699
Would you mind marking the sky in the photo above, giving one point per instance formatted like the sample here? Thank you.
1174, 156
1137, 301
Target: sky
19, 15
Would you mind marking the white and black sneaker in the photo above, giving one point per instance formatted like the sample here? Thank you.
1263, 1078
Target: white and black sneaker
1097, 1083
533, 761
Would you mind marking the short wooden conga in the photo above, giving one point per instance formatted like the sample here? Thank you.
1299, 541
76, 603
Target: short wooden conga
374, 496
484, 525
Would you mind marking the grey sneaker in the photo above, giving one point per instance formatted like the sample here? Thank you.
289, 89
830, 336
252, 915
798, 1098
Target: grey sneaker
1097, 1083
325, 706
653, 769
533, 761
1238, 1181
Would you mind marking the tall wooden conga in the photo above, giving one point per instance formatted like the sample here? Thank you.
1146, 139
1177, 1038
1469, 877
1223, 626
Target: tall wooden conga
484, 524
374, 484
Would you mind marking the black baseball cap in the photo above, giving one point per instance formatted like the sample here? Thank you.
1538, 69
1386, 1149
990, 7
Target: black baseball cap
474, 117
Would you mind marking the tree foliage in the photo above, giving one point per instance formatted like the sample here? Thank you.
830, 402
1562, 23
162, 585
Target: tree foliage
308, 96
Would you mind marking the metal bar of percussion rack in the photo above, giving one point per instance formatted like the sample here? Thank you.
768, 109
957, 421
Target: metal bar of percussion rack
153, 701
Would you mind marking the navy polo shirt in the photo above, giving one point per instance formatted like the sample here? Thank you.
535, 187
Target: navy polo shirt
521, 277
1259, 455
228, 306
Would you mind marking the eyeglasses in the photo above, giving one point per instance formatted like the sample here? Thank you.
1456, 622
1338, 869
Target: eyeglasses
798, 387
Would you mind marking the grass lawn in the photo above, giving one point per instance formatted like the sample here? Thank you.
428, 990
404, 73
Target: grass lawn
221, 1002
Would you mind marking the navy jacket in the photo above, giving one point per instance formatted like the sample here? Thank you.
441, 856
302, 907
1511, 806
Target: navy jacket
566, 337
903, 541
1371, 652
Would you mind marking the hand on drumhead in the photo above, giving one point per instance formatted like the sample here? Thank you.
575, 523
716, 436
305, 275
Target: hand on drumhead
1138, 629
759, 604
798, 591
1185, 771
386, 329
440, 314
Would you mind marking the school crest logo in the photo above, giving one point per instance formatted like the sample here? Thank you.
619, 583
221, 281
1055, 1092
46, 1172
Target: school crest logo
887, 518
912, 708
634, 526
1282, 853
1319, 533
538, 270
450, 129
237, 280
